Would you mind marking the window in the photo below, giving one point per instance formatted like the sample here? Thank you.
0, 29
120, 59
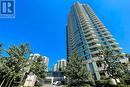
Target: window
105, 43
83, 47
86, 57
102, 39
84, 52
107, 46
100, 35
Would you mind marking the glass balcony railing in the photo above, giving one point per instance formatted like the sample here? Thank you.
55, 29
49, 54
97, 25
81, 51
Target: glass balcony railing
111, 39
118, 48
107, 32
95, 52
108, 35
87, 30
93, 40
91, 36
95, 46
91, 32
114, 43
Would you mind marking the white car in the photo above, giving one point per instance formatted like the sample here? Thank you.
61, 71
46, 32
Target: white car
57, 83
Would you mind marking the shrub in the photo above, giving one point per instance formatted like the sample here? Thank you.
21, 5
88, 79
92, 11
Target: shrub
103, 77
123, 85
87, 85
101, 83
65, 86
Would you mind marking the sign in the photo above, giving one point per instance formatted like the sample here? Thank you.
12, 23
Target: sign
7, 8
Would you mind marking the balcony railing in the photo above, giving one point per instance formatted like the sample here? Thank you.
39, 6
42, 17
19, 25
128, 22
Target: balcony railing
108, 35
107, 32
91, 36
95, 46
91, 32
111, 39
114, 43
93, 40
118, 48
88, 30
95, 52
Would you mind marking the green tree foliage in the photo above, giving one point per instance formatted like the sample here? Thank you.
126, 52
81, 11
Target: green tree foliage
12, 65
128, 56
76, 71
38, 67
112, 64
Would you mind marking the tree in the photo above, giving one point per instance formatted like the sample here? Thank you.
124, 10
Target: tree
38, 67
76, 71
12, 64
4, 72
16, 61
128, 56
112, 65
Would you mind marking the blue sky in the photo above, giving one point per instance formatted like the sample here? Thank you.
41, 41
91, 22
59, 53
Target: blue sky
42, 23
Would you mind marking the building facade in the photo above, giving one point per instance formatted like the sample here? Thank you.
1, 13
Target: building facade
60, 65
54, 69
85, 35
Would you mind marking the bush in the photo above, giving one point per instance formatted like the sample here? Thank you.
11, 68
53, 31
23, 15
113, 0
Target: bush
87, 85
127, 81
122, 85
101, 83
103, 77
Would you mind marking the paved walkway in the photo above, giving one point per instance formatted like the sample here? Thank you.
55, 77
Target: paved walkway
49, 85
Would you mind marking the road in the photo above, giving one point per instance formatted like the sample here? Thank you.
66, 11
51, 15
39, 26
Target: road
49, 85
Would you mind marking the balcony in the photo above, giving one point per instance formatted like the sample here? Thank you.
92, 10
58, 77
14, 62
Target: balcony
102, 29
93, 40
94, 59
123, 54
107, 32
111, 39
108, 35
115, 44
88, 30
91, 32
118, 48
95, 52
102, 26
87, 26
95, 46
83, 25
91, 36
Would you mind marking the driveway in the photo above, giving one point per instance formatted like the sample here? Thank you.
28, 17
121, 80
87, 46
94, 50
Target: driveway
49, 85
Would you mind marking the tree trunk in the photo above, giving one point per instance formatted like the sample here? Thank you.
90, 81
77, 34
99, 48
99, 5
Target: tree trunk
2, 83
7, 82
10, 82
21, 81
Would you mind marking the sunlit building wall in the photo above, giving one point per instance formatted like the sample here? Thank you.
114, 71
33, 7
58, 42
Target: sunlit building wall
85, 35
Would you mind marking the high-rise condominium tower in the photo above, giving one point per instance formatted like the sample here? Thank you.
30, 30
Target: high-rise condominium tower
85, 35
59, 66
45, 59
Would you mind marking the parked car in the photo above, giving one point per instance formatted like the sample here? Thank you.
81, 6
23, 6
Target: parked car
57, 83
